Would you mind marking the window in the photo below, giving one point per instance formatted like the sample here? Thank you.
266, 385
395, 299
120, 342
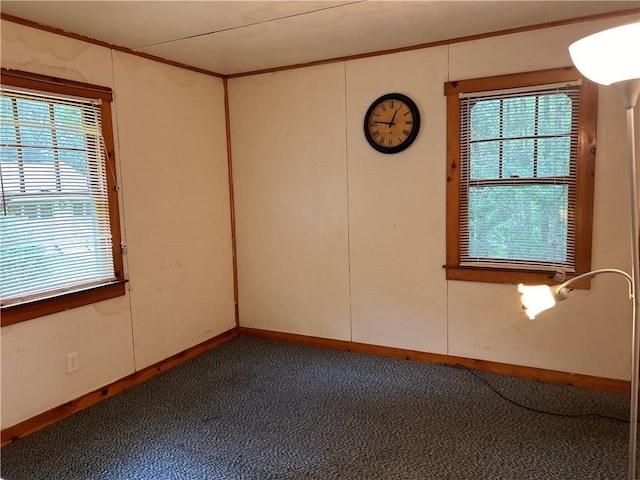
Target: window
520, 166
59, 227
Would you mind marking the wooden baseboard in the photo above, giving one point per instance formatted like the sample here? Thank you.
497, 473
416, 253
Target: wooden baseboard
22, 429
532, 373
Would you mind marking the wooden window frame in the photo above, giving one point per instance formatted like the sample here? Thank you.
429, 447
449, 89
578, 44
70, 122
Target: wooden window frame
585, 176
19, 312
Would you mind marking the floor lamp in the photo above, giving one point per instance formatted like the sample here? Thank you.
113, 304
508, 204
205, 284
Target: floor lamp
610, 58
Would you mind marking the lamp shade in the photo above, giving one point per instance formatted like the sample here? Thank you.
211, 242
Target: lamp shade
609, 56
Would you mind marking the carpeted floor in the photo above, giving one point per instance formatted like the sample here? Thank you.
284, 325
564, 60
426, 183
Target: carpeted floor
255, 409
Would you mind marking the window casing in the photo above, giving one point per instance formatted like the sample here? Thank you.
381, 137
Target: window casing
520, 172
59, 227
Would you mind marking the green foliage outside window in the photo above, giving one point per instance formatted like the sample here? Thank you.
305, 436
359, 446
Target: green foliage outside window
518, 177
48, 223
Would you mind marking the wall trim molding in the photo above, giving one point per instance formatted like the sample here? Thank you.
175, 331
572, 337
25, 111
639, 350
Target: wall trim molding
449, 41
531, 373
55, 414
232, 207
33, 424
42, 420
77, 36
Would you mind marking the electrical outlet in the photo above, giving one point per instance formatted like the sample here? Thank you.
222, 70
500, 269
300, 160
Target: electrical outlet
73, 364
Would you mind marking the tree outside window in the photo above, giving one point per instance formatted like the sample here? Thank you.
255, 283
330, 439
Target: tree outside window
520, 176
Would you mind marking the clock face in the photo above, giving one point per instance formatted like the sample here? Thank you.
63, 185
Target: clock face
392, 123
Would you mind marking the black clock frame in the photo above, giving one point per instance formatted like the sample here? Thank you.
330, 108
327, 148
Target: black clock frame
416, 123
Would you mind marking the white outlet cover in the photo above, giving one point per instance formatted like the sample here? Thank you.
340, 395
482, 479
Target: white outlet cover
73, 364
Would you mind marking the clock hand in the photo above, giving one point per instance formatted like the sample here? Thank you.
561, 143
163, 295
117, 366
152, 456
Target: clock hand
393, 118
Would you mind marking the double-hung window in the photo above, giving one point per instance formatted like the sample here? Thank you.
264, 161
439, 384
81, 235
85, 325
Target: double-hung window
521, 151
59, 227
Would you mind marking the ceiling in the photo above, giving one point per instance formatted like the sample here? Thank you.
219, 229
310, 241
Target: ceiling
230, 37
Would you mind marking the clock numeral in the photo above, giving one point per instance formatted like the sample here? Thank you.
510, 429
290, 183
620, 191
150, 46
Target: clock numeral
391, 104
406, 133
383, 107
409, 122
406, 113
381, 141
399, 140
390, 142
375, 134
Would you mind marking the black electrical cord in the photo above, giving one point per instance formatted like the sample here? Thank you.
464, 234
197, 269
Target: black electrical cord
567, 415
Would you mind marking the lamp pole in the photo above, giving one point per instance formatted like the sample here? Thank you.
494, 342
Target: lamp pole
628, 91
611, 57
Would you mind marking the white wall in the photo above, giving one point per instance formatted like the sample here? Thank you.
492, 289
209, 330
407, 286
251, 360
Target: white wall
297, 134
590, 333
172, 164
334, 239
397, 230
172, 137
290, 190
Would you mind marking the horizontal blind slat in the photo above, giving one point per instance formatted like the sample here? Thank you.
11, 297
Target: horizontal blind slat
56, 233
518, 151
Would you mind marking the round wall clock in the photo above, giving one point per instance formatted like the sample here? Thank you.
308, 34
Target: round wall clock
391, 123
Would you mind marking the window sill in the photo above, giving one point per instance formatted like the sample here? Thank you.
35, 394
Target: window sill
17, 313
499, 275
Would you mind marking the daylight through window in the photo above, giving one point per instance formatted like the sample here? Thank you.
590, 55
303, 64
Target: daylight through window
55, 224
518, 177
522, 198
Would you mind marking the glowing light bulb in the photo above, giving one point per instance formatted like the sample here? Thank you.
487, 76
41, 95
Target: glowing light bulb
536, 299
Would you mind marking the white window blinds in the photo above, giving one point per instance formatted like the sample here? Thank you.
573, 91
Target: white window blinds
518, 151
55, 231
